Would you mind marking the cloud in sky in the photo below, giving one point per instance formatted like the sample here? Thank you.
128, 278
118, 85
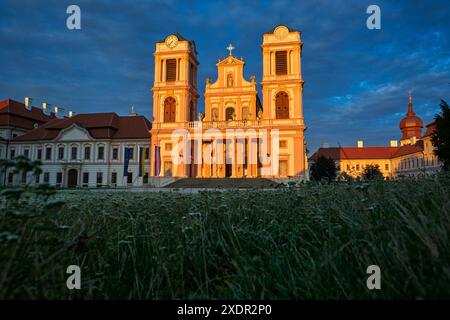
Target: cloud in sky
356, 80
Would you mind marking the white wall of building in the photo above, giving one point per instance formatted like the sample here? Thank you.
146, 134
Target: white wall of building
86, 158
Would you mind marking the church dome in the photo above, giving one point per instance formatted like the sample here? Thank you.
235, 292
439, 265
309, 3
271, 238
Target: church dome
411, 125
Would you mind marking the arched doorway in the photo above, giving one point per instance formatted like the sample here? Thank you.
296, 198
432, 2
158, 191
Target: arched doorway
282, 105
169, 109
72, 178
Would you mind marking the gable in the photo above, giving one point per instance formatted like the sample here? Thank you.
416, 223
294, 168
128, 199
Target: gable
74, 133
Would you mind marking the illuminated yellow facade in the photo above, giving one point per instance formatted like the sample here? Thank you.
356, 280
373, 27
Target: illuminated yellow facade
237, 136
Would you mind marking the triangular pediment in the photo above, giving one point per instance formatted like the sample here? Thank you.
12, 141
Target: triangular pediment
230, 60
74, 133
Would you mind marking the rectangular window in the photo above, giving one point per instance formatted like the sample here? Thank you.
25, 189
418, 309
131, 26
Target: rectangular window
357, 167
58, 178
85, 179
38, 178
87, 153
101, 153
147, 154
131, 153
46, 177
26, 153
171, 70
115, 153
130, 178
60, 153
283, 143
114, 178
167, 168
12, 154
386, 167
348, 167
99, 179
281, 62
168, 147
73, 153
48, 153
39, 154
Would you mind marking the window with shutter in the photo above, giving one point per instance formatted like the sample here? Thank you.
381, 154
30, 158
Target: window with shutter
281, 62
171, 70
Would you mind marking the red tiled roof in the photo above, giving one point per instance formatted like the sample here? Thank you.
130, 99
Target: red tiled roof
15, 114
431, 127
352, 153
99, 126
408, 149
355, 153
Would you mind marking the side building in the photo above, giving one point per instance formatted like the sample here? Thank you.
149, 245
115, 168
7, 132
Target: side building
86, 150
415, 155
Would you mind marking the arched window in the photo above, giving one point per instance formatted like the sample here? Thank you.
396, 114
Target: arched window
282, 105
229, 114
169, 109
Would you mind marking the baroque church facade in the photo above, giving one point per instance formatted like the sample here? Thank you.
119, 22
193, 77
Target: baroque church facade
237, 135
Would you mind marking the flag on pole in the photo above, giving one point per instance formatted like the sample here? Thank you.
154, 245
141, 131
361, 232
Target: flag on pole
126, 162
142, 169
157, 160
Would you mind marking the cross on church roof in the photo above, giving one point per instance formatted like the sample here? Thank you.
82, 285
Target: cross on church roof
230, 48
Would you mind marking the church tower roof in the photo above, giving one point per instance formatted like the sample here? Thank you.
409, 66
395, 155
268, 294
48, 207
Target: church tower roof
411, 125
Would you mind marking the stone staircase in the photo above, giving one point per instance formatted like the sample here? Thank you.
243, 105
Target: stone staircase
222, 183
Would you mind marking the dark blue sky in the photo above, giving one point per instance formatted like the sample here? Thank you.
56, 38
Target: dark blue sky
356, 80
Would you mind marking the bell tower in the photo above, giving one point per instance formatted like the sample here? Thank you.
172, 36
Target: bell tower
282, 90
174, 99
175, 86
282, 82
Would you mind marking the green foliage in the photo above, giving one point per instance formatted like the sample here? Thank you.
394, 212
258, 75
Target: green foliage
372, 172
22, 166
323, 168
441, 137
309, 241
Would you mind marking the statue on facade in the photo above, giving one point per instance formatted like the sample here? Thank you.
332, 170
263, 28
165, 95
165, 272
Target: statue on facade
201, 116
260, 114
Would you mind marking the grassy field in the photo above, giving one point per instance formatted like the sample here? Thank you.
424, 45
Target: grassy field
307, 242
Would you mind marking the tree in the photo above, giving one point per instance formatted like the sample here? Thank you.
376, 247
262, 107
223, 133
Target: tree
22, 165
372, 172
323, 168
440, 138
4, 165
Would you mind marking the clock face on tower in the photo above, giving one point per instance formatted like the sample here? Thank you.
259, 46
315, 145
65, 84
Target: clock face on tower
171, 41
